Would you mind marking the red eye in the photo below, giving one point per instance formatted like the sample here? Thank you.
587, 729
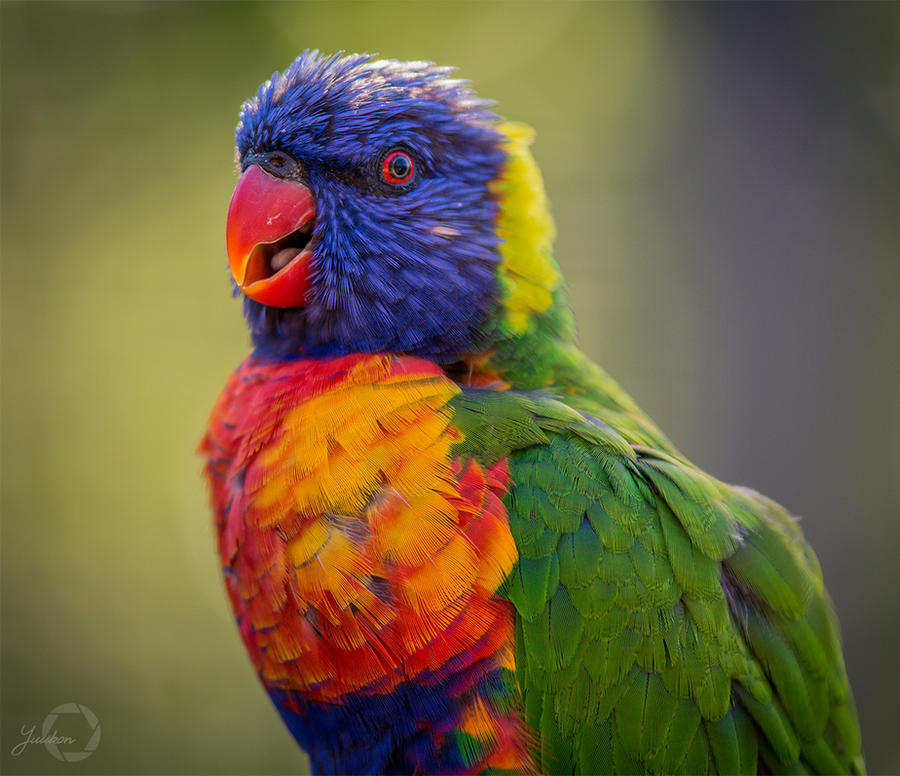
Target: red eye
398, 167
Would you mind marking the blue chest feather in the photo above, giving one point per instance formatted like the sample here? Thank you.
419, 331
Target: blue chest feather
390, 733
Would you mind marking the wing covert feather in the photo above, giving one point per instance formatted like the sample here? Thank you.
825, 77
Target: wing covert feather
667, 622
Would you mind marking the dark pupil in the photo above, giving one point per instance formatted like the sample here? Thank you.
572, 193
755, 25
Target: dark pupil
399, 166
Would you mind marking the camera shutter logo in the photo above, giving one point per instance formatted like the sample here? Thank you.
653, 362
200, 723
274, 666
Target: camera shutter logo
89, 717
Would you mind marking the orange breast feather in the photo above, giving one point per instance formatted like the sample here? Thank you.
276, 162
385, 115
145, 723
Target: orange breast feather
358, 553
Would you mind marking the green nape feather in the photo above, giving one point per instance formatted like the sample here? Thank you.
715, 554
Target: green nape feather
666, 622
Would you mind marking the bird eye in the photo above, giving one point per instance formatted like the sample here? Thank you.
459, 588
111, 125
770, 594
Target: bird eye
398, 167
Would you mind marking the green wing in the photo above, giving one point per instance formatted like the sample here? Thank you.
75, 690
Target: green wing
667, 623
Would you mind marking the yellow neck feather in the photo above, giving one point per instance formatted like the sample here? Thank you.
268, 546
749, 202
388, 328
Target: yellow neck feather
527, 270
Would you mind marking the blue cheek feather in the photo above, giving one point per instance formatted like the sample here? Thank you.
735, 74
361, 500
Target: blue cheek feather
400, 267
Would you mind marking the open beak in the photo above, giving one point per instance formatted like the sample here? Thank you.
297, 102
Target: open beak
270, 221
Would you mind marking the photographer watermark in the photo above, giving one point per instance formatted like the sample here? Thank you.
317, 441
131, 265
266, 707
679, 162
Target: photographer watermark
67, 748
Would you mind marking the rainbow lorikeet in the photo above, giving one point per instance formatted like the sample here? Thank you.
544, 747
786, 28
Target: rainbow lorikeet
452, 543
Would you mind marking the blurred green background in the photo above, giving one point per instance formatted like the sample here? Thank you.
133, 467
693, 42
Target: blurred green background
726, 184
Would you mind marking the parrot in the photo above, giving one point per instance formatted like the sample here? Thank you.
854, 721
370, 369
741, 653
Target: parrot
451, 542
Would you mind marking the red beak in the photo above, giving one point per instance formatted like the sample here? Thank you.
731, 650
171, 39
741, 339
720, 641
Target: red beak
268, 228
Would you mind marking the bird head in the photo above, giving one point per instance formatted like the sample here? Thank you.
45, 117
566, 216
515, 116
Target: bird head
382, 207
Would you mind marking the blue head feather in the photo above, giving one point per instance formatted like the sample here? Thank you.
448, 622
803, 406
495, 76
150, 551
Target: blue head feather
400, 269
